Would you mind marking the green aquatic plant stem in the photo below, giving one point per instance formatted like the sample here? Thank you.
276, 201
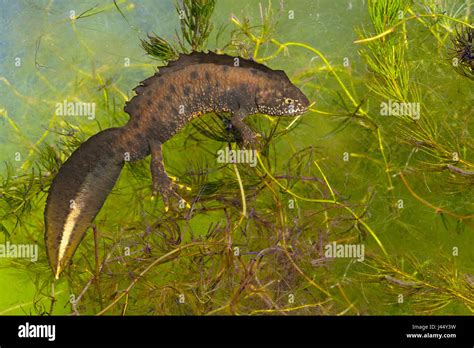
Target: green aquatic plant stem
242, 192
430, 27
329, 201
438, 210
290, 309
265, 16
242, 196
325, 180
282, 46
387, 167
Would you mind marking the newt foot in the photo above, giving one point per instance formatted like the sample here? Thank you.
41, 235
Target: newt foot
168, 190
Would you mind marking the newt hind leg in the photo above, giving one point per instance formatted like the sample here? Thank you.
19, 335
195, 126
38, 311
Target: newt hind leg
161, 181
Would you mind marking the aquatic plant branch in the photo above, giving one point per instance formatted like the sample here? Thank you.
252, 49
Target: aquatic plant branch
290, 309
242, 195
437, 210
326, 181
387, 168
282, 46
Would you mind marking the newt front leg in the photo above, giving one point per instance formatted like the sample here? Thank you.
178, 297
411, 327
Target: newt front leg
249, 137
160, 179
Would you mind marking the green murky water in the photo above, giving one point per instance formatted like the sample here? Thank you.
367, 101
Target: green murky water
349, 149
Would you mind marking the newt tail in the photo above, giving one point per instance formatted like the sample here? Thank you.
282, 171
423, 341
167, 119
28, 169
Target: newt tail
192, 85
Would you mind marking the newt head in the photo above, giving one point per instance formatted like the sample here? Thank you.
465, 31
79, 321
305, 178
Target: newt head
282, 98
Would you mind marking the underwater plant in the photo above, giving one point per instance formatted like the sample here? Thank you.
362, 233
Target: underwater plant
463, 59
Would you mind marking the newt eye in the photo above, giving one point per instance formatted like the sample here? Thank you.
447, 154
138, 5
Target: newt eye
289, 101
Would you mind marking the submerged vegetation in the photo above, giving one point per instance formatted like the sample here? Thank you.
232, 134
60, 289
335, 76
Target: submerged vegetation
254, 240
463, 59
196, 26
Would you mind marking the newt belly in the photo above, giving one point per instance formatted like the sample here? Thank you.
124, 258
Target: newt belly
188, 87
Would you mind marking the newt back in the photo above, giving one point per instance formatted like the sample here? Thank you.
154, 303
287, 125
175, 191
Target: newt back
199, 83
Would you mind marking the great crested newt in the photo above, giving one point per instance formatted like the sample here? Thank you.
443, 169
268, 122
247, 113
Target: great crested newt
190, 86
